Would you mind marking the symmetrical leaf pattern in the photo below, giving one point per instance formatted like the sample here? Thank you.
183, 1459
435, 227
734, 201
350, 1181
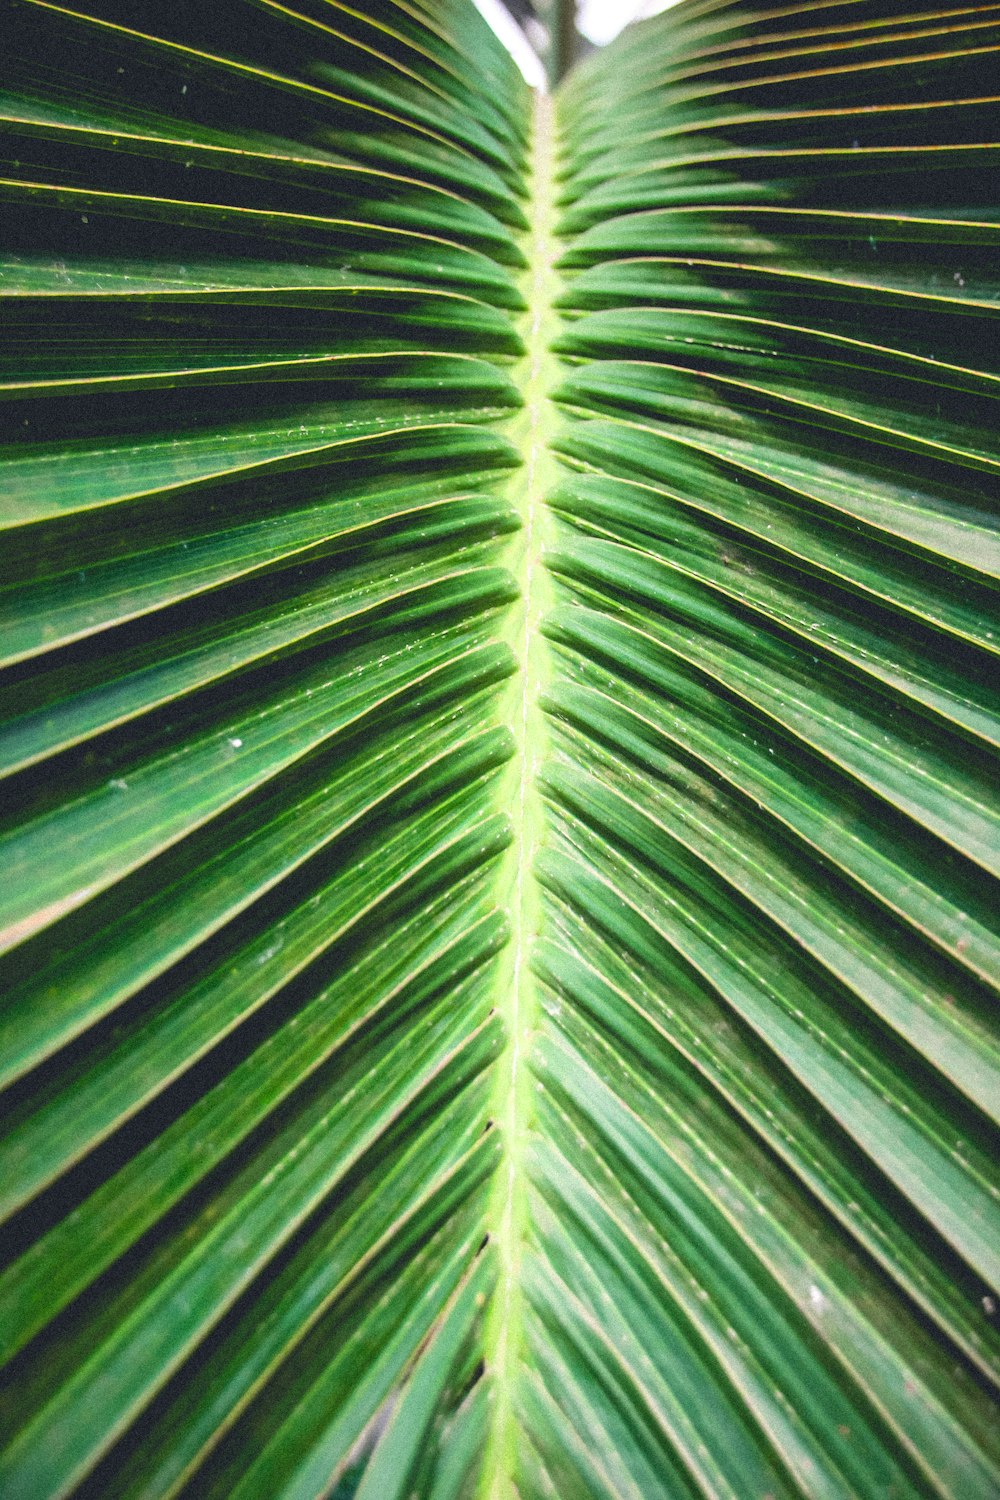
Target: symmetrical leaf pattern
499, 936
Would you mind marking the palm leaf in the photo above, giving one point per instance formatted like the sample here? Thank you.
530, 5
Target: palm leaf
498, 748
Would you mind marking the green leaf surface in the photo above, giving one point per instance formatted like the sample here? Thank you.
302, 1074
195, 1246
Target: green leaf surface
498, 756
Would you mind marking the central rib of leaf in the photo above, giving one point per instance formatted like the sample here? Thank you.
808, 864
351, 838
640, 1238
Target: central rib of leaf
525, 717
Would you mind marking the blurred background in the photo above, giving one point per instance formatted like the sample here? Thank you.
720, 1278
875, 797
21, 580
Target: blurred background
547, 36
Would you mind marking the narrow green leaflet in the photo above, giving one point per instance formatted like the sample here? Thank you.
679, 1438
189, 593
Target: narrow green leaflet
499, 941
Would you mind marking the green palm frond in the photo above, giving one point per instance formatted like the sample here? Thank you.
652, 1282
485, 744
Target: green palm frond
499, 932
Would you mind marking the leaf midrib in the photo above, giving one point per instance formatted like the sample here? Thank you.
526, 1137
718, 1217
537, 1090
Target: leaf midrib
519, 894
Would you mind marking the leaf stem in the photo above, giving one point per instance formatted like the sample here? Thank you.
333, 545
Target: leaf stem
526, 719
